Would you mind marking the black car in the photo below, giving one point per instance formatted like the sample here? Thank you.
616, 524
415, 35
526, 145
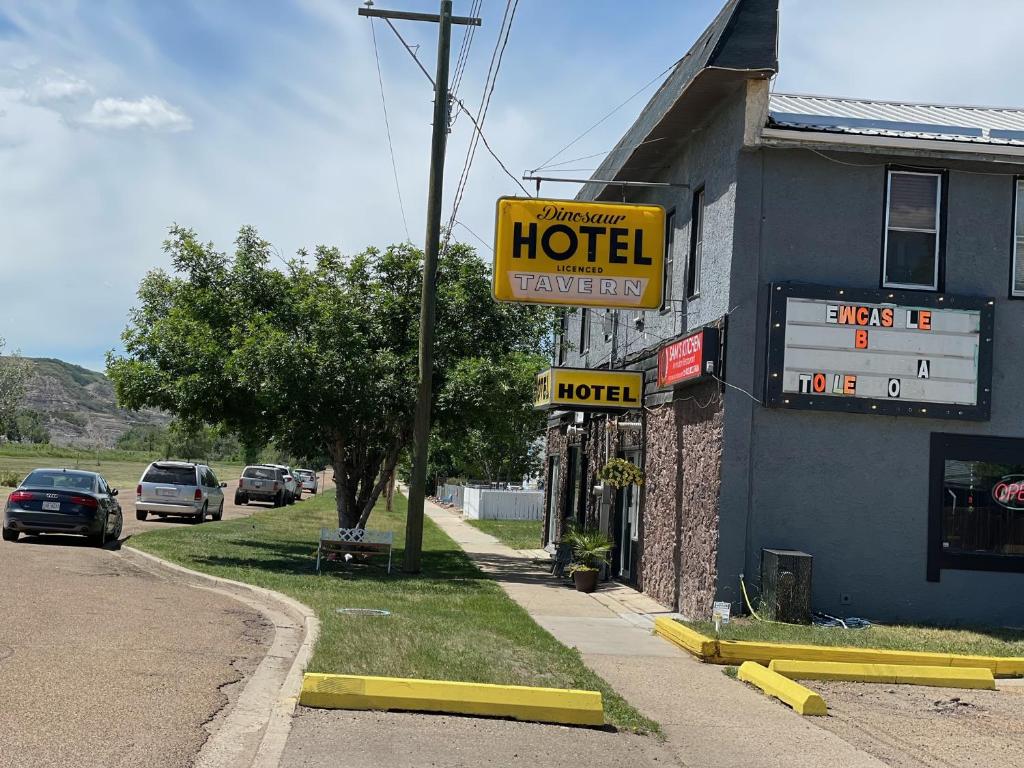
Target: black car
63, 501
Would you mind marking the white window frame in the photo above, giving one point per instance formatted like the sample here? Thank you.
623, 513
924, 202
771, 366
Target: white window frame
1017, 258
937, 231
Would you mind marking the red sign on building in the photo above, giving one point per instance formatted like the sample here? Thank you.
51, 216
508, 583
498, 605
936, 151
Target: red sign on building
688, 358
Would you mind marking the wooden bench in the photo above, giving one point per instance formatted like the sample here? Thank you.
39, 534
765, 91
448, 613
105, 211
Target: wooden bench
353, 541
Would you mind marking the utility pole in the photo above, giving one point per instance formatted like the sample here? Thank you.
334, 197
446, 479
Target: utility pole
421, 425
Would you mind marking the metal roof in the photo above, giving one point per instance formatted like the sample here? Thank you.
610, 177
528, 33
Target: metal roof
977, 125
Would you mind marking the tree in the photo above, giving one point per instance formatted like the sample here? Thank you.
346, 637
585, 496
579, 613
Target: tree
323, 359
15, 371
200, 343
489, 428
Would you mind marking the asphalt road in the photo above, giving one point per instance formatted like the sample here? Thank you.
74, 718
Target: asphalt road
105, 664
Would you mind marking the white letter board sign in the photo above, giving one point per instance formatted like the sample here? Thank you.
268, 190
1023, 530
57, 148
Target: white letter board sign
897, 353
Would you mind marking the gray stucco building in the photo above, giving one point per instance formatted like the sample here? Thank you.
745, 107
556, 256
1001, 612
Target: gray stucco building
910, 504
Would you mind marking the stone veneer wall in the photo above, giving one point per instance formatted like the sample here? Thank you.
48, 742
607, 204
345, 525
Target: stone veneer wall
662, 470
700, 420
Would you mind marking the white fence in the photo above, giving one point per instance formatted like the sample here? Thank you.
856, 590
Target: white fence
488, 504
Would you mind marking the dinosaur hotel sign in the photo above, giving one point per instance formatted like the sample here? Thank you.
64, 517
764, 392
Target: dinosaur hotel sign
571, 253
887, 352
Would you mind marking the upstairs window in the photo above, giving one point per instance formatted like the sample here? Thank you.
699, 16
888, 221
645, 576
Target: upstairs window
912, 236
1017, 288
670, 242
561, 343
696, 245
584, 331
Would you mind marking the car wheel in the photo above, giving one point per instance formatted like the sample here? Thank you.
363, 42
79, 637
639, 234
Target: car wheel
10, 535
239, 499
220, 512
141, 514
201, 516
279, 499
100, 538
120, 528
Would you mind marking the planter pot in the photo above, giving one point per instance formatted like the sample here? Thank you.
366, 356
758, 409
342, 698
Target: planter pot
586, 581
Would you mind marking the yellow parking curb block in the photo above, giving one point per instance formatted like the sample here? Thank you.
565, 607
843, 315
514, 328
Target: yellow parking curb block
546, 705
906, 674
686, 638
803, 700
735, 652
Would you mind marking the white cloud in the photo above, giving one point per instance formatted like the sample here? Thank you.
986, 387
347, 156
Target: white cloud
147, 112
61, 87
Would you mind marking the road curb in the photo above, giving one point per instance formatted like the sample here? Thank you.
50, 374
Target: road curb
900, 674
803, 700
255, 730
520, 702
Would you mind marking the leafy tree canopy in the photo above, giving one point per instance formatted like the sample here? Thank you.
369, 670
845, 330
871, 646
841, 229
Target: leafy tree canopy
322, 359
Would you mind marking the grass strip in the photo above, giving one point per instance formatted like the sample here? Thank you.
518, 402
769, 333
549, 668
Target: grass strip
518, 534
450, 622
982, 641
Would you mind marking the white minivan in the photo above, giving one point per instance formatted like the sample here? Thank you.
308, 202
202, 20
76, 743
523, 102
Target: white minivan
181, 489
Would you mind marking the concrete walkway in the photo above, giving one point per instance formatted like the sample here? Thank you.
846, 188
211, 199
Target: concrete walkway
709, 720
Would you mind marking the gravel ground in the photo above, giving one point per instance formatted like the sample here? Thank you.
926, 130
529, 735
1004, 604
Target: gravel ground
910, 726
103, 664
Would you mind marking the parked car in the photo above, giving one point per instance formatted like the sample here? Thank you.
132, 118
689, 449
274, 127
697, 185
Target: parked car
181, 489
262, 483
63, 501
292, 489
307, 479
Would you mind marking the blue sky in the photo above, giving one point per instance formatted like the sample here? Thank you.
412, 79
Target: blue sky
119, 118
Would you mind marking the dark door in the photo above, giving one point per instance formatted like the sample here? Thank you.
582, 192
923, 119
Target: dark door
625, 527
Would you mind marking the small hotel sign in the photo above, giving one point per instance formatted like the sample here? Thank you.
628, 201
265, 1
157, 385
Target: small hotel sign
579, 389
884, 352
689, 358
571, 253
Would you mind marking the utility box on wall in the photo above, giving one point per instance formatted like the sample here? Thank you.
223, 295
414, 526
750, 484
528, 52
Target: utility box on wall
786, 585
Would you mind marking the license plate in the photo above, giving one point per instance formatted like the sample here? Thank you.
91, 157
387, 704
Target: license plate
51, 506
257, 484
166, 491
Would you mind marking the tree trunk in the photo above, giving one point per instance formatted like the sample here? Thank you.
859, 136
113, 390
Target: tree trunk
390, 462
345, 501
391, 492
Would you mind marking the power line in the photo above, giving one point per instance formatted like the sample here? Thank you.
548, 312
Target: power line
462, 107
597, 154
485, 101
463, 57
387, 128
474, 234
636, 93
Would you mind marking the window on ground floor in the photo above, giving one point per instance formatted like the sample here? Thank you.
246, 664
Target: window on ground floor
977, 503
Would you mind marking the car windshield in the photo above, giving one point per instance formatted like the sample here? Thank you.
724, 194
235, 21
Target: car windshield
55, 478
170, 474
260, 473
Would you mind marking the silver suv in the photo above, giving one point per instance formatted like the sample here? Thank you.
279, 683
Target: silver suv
179, 488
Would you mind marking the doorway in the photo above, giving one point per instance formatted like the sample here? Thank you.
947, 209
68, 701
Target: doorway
626, 526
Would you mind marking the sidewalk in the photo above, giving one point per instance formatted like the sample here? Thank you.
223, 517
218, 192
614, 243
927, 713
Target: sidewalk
708, 719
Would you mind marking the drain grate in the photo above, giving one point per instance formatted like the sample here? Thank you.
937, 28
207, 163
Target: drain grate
363, 611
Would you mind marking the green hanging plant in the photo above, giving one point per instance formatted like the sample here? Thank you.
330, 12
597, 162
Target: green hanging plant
619, 473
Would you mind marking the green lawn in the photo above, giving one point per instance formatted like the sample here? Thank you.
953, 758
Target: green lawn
966, 640
450, 622
518, 534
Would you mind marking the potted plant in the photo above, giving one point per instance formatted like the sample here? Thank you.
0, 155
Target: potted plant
619, 473
590, 550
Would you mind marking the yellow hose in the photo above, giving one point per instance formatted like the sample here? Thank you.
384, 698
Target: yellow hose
746, 599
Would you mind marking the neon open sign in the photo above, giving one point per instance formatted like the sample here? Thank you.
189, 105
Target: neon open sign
1009, 492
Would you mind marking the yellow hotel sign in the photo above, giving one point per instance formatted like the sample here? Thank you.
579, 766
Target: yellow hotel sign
573, 253
588, 389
